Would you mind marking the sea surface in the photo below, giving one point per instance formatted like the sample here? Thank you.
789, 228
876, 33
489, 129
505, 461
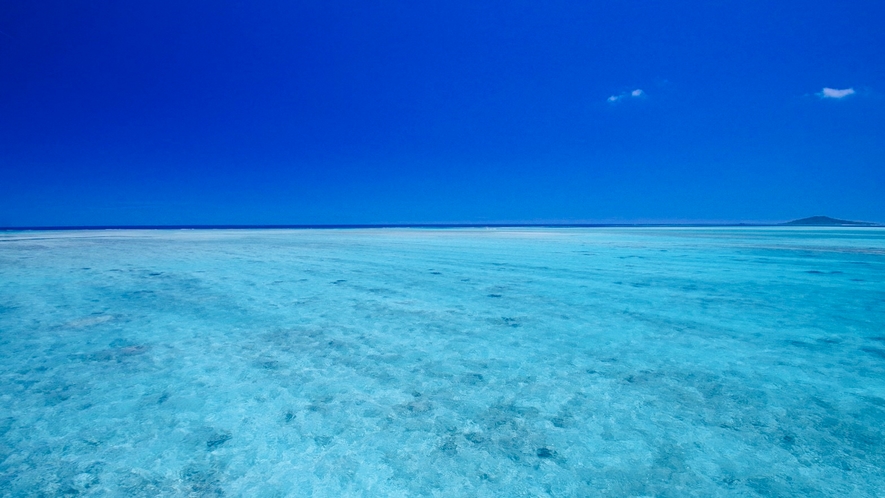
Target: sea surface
443, 362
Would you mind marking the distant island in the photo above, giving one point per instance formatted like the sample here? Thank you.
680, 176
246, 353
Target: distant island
826, 221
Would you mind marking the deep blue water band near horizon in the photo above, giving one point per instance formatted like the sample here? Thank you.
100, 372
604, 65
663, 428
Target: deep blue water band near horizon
458, 362
393, 225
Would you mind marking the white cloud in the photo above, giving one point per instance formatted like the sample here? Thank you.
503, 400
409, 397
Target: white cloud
634, 94
833, 93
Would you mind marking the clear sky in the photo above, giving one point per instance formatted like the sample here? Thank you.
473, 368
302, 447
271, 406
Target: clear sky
324, 112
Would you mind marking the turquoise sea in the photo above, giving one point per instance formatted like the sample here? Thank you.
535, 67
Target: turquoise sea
443, 362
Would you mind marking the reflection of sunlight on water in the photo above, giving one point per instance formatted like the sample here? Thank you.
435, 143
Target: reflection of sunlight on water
458, 362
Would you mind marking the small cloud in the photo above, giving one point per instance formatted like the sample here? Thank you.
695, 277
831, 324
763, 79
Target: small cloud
634, 94
833, 93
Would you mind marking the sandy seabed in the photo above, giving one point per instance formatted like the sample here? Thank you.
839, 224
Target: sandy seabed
457, 362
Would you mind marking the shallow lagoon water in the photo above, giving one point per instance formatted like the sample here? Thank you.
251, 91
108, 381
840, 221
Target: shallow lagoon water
413, 362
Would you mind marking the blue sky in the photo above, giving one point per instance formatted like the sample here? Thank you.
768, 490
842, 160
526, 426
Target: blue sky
222, 112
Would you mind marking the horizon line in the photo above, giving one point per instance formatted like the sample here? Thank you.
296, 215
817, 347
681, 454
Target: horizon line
415, 225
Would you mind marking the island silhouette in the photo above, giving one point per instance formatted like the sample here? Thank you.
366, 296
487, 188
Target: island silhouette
826, 221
